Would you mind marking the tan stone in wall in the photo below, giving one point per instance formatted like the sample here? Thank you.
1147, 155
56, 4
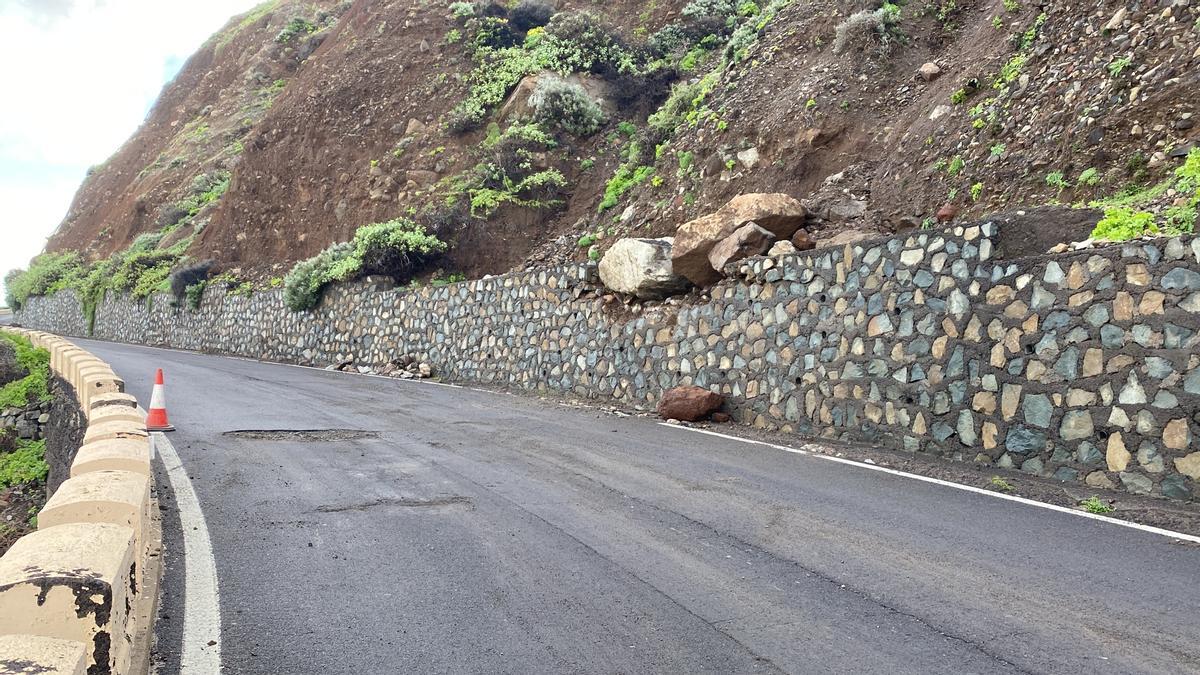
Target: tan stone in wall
1137, 275
1189, 465
1152, 303
1117, 455
1176, 434
1009, 398
1123, 307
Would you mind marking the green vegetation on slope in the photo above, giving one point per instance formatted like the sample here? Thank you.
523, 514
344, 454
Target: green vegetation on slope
35, 386
1125, 219
25, 464
394, 248
142, 269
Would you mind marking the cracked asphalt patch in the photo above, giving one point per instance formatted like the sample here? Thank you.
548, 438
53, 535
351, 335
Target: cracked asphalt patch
405, 503
302, 435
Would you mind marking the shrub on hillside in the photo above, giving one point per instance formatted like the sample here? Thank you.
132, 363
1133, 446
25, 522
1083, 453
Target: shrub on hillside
295, 28
462, 10
567, 106
394, 248
187, 276
305, 283
142, 273
530, 14
868, 28
1122, 224
708, 9
147, 241
511, 173
576, 42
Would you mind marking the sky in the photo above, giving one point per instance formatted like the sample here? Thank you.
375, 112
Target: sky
78, 78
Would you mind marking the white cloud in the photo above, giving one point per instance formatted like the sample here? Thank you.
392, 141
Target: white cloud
79, 77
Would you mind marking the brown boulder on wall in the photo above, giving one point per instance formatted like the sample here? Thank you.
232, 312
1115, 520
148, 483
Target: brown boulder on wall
803, 241
947, 213
690, 404
779, 214
746, 241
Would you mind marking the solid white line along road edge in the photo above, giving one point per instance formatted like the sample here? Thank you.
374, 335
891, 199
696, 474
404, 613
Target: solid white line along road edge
201, 602
957, 486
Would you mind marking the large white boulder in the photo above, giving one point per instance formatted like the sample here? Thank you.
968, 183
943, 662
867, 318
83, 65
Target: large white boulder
641, 267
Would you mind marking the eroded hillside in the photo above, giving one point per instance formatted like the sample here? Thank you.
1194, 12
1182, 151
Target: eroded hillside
302, 121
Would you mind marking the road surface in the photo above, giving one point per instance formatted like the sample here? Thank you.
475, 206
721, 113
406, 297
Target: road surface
486, 533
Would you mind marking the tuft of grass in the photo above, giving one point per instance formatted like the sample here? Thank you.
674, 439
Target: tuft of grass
1093, 504
955, 167
1117, 66
1057, 180
1000, 485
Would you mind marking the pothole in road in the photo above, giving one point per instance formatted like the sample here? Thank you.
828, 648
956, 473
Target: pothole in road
303, 435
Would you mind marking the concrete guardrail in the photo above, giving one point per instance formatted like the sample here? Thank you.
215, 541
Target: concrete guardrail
79, 594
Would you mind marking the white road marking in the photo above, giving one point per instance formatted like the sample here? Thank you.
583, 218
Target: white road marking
957, 486
201, 653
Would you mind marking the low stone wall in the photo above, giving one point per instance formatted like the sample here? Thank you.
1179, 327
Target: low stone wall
73, 594
28, 422
1080, 366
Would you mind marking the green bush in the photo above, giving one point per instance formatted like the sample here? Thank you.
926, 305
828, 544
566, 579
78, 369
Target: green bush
877, 28
704, 9
394, 248
1188, 175
567, 106
625, 179
530, 14
1121, 224
304, 285
462, 10
491, 81
142, 273
508, 174
35, 386
577, 42
26, 464
297, 27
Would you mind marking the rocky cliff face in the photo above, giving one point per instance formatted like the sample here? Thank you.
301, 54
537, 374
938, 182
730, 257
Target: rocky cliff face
302, 121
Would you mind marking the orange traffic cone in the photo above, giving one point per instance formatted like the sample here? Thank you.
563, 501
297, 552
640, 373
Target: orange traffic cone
156, 419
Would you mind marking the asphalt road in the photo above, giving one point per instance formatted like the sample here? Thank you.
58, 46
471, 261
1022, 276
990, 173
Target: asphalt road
485, 533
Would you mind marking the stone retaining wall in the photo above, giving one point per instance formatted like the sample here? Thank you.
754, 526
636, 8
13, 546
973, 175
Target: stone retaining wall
1079, 366
75, 595
28, 422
